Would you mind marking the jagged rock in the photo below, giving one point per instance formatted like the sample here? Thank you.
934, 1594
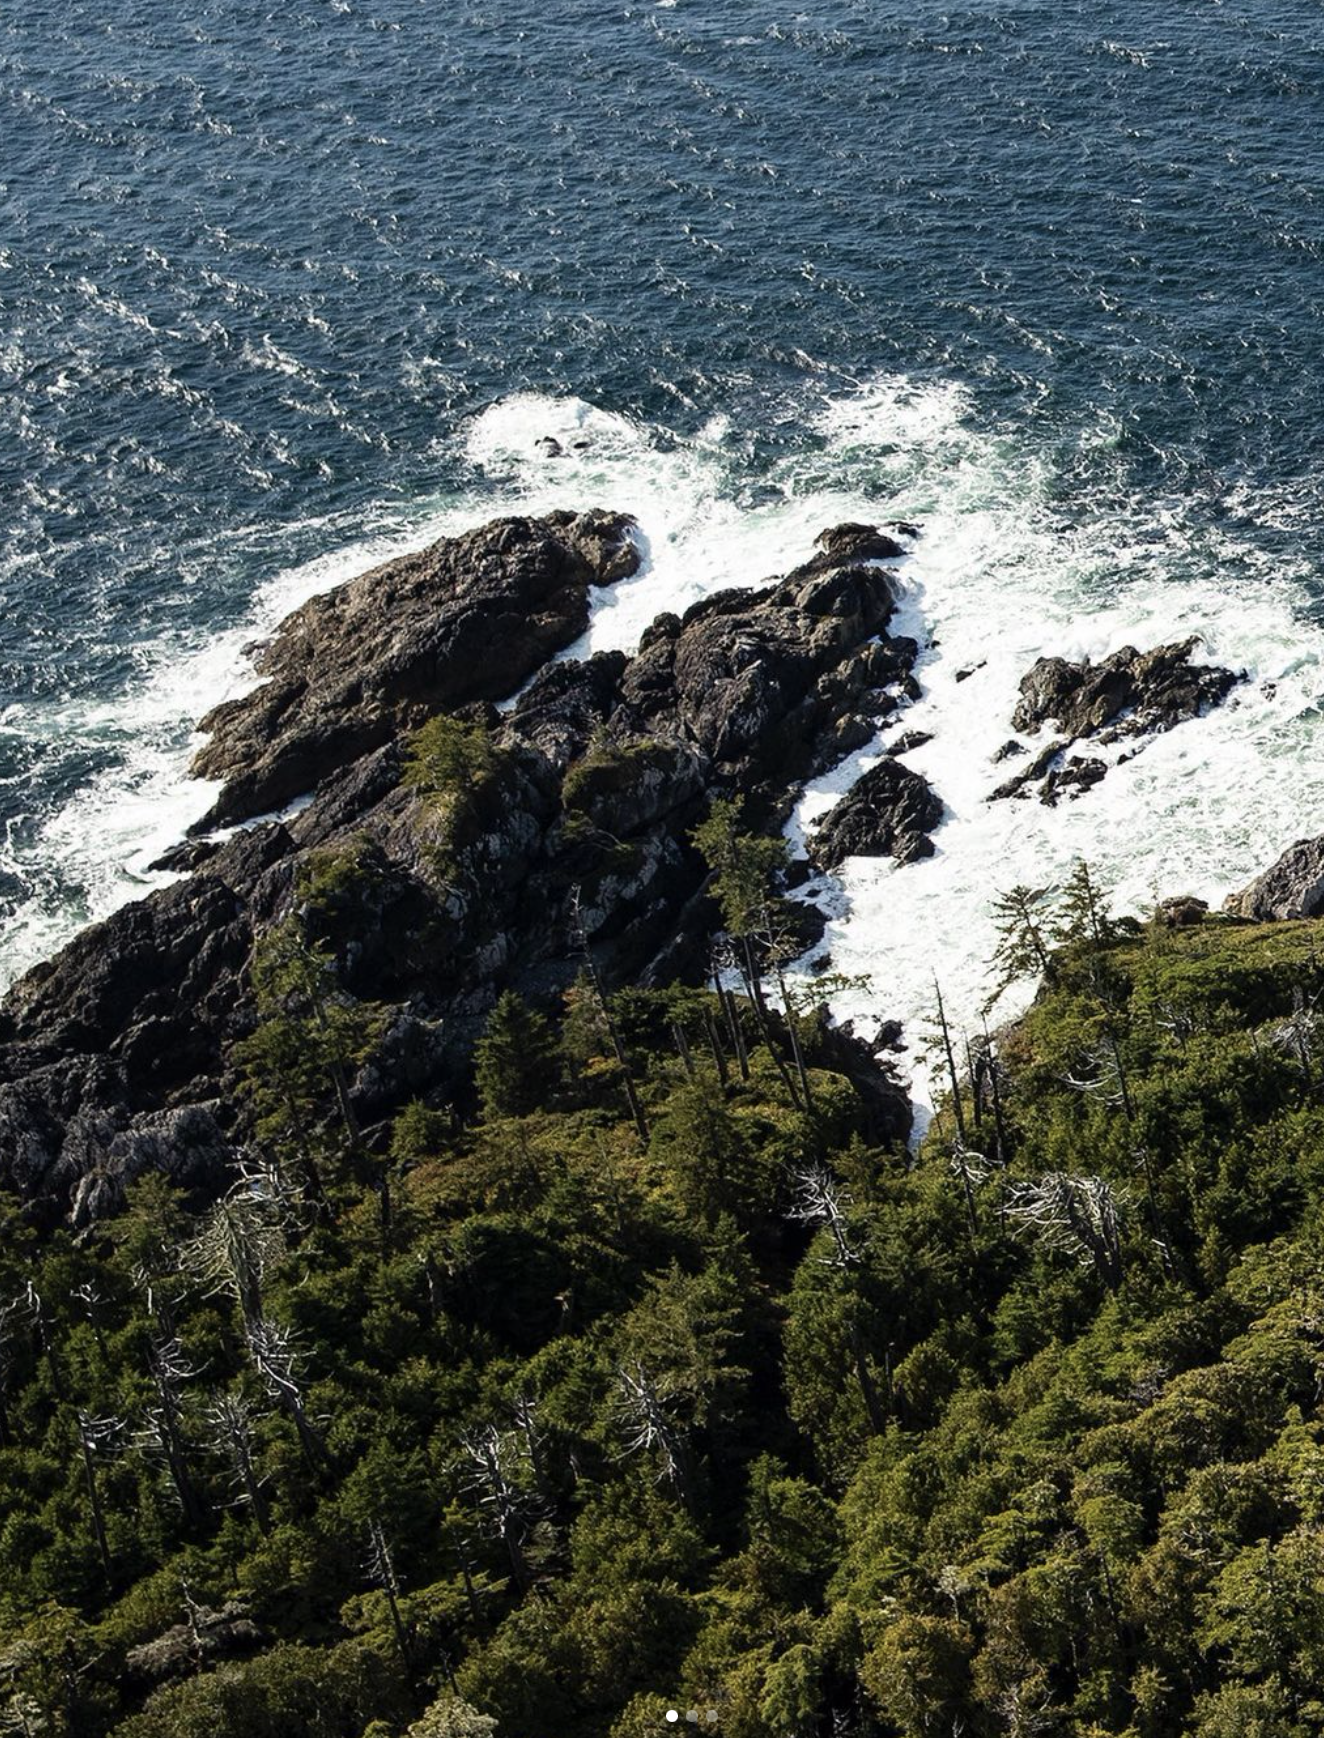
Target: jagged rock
624, 791
1009, 751
115, 1057
565, 704
1077, 774
187, 1145
1019, 783
185, 857
468, 619
909, 741
886, 1101
162, 956
842, 545
755, 679
1130, 693
1292, 887
888, 812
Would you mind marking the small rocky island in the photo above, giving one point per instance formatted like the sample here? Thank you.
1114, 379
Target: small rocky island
1127, 696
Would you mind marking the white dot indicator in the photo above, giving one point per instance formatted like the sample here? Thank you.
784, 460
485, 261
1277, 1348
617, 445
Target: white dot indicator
673, 1714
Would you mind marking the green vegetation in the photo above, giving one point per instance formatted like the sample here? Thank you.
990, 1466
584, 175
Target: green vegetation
448, 758
607, 767
686, 1395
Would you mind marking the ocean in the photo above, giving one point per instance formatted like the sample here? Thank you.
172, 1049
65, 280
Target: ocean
286, 289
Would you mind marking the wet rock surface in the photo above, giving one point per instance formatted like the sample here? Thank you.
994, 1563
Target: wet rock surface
1129, 694
888, 812
465, 620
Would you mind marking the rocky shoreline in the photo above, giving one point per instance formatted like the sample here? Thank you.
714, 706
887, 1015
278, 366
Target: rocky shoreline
574, 841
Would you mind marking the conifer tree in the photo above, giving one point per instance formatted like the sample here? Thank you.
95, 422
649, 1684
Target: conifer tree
1022, 915
514, 1060
1083, 914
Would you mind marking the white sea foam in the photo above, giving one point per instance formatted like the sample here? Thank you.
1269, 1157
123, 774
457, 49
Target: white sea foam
997, 579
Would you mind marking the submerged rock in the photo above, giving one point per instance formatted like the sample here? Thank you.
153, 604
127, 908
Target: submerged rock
1292, 887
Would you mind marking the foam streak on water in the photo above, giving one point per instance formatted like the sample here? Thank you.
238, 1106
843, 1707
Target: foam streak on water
1000, 576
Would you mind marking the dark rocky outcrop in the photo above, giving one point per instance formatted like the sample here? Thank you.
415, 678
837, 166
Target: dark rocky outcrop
1183, 912
468, 619
888, 812
114, 1057
772, 687
909, 741
1130, 693
1077, 774
1030, 774
1292, 887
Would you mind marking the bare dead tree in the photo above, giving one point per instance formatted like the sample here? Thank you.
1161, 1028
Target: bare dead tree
15, 1324
525, 1415
494, 1463
1298, 1035
92, 1301
231, 1419
580, 933
648, 1426
949, 1053
1177, 1018
1105, 1076
995, 1073
162, 1435
241, 1239
1079, 1215
973, 1169
724, 961
820, 1200
277, 1361
97, 1437
380, 1567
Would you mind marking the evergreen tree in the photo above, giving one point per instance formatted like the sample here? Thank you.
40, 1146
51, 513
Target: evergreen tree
515, 1060
1022, 916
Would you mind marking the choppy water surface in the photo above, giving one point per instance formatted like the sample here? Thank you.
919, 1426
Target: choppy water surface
282, 288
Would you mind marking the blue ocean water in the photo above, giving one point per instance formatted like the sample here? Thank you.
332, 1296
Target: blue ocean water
282, 284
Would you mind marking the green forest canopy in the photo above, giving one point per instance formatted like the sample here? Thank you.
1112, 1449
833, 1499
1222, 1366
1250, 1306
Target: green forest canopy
597, 1403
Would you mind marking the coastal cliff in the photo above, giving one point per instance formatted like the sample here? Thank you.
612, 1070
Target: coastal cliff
433, 890
455, 1281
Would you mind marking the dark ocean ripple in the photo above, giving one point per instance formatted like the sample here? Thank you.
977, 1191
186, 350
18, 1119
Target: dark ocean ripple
260, 267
